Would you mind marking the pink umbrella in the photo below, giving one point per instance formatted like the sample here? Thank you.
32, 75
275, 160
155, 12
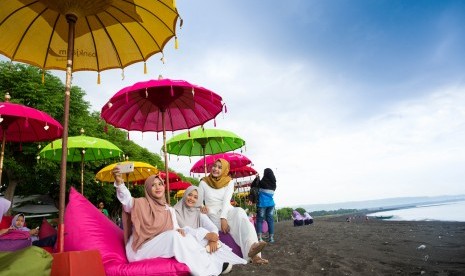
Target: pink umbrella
19, 123
236, 160
179, 185
161, 105
242, 172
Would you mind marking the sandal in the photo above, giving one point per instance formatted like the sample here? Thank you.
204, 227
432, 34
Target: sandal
256, 248
259, 260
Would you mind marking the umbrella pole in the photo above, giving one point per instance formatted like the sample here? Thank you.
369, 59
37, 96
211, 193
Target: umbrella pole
71, 19
166, 158
2, 156
204, 160
82, 173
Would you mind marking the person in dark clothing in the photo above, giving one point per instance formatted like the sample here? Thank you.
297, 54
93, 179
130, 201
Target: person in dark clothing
265, 204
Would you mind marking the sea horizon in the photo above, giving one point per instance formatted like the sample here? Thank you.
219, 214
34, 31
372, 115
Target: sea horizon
381, 204
446, 211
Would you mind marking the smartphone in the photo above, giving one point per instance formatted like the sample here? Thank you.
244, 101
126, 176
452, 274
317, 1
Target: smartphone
126, 167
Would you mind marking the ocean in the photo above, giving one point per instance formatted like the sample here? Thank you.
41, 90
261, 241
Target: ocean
449, 211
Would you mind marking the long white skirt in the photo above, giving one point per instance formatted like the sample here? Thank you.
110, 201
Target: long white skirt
185, 249
241, 229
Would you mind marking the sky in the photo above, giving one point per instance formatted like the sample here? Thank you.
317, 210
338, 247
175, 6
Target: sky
345, 100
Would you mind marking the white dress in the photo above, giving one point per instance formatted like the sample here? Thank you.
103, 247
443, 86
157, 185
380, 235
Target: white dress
224, 254
219, 206
171, 243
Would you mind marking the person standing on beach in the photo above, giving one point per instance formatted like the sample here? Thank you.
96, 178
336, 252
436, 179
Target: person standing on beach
217, 190
265, 204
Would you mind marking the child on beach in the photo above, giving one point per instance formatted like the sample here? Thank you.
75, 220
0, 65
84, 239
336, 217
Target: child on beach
151, 229
18, 224
101, 207
217, 189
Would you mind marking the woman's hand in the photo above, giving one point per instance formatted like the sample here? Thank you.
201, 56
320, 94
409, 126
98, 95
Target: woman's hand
3, 231
212, 237
181, 231
204, 209
224, 225
34, 232
117, 175
213, 246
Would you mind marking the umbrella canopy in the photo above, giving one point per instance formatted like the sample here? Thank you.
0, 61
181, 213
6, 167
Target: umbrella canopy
161, 105
141, 171
179, 185
236, 160
201, 142
81, 149
173, 177
19, 123
242, 172
179, 193
107, 34
74, 35
141, 106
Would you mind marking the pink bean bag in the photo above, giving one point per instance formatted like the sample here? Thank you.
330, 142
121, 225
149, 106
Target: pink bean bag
86, 228
264, 224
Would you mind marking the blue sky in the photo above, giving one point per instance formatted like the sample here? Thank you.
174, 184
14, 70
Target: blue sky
344, 100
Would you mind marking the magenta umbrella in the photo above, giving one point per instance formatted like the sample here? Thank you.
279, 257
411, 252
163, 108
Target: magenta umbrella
236, 160
161, 105
19, 123
242, 172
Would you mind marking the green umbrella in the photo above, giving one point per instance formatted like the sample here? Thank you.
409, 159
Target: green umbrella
201, 142
82, 148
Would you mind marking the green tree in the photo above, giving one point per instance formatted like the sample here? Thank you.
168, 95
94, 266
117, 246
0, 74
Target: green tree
300, 210
284, 213
24, 174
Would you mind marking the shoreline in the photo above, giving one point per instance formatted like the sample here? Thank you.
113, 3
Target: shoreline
332, 246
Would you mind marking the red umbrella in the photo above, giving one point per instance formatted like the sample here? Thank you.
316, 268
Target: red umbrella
161, 105
173, 177
236, 160
19, 123
179, 185
242, 172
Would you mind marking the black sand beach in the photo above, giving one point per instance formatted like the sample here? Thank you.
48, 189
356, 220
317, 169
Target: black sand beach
332, 246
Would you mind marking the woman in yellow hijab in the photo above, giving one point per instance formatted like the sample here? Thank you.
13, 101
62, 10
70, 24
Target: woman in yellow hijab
217, 190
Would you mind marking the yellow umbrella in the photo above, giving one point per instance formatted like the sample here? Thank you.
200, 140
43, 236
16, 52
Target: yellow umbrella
141, 172
242, 194
179, 193
77, 35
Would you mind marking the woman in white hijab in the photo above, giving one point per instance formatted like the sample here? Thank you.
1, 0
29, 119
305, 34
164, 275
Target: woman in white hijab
195, 223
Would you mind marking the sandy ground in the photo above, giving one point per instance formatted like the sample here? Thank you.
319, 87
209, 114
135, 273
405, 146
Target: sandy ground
374, 247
